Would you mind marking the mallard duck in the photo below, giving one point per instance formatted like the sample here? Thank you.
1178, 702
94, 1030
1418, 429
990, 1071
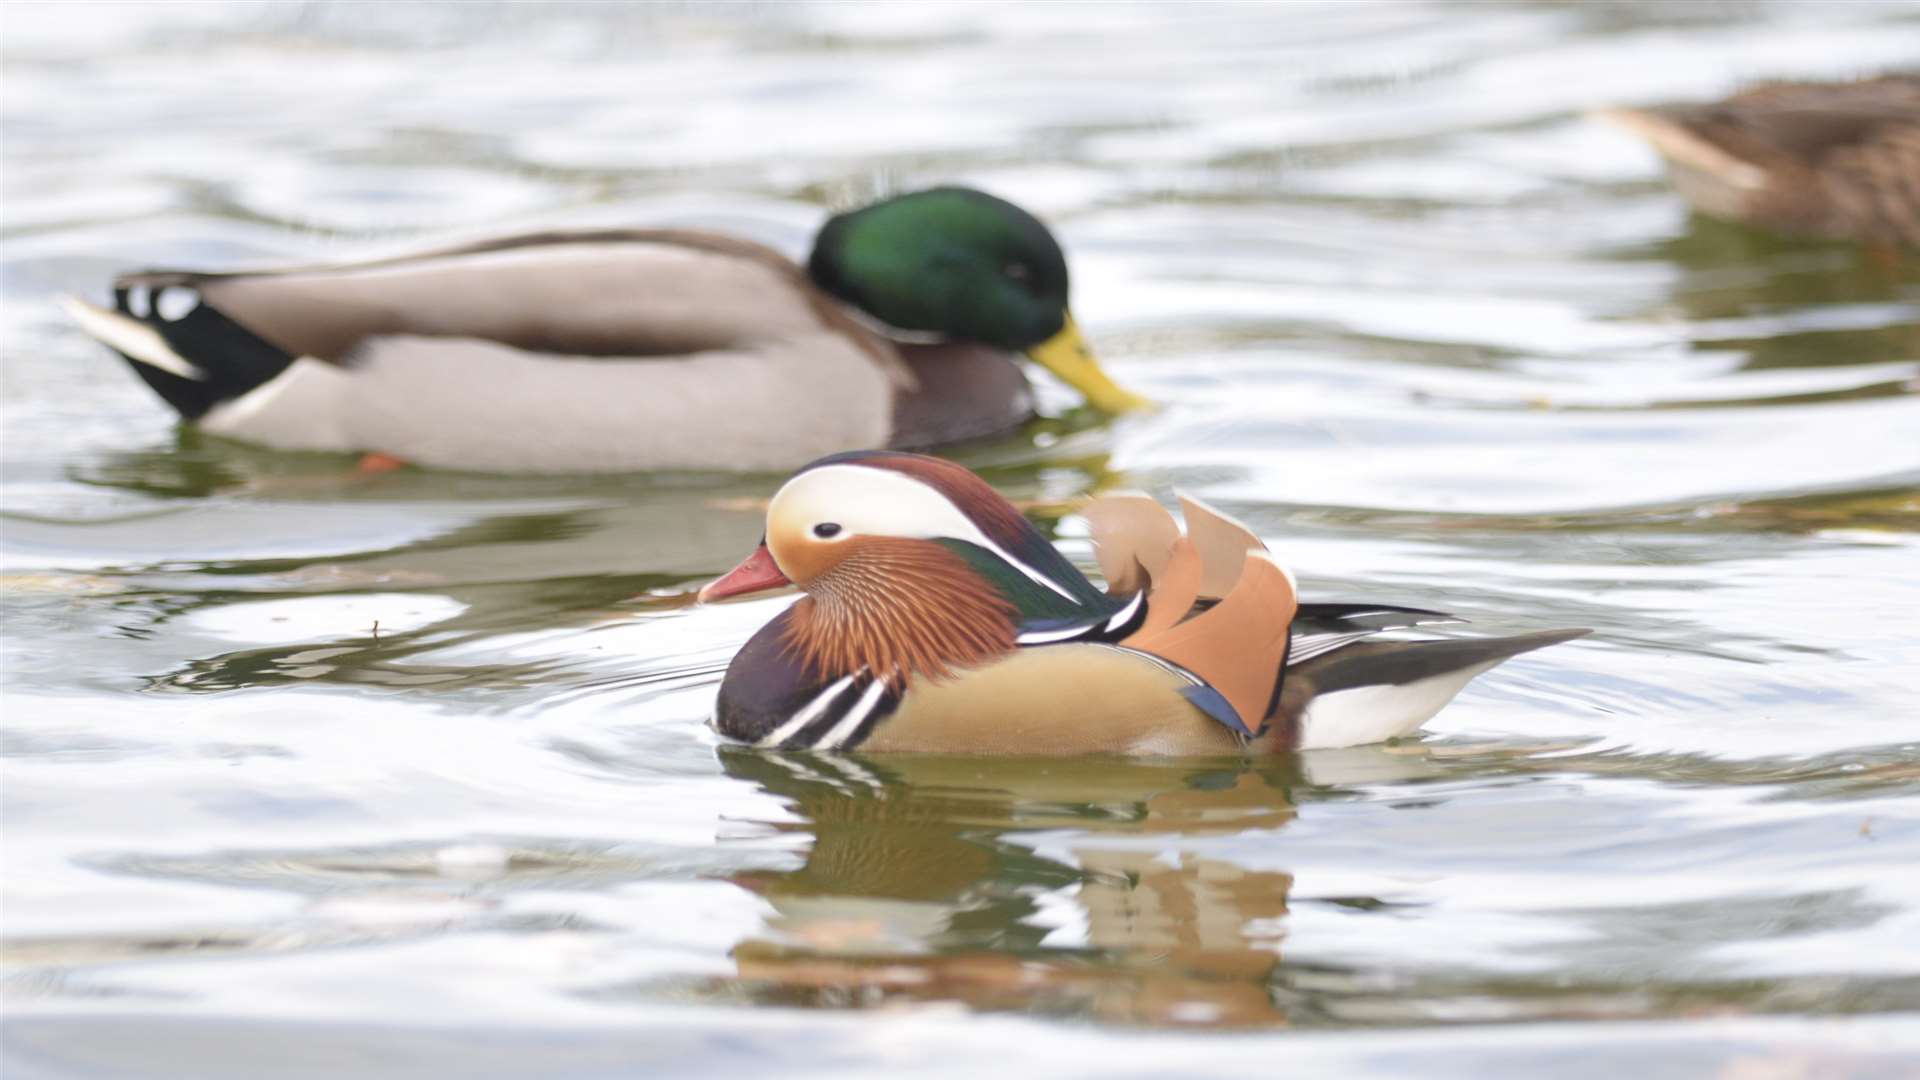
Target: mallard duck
937, 619
1837, 160
625, 349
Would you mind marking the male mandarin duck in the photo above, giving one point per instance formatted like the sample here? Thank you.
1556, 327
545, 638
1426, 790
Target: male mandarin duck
625, 349
1838, 160
937, 619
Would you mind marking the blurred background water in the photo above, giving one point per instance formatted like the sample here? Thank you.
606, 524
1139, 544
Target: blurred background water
309, 774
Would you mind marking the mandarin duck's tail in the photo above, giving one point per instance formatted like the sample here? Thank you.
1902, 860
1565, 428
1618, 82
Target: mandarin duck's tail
1376, 690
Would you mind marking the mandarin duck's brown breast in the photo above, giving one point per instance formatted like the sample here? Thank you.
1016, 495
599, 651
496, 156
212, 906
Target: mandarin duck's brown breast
773, 696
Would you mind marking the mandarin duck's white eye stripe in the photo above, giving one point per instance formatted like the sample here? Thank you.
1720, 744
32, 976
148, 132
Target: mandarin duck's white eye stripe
869, 501
778, 736
956, 525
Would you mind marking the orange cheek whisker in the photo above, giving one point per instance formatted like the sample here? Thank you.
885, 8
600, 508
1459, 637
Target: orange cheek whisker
899, 608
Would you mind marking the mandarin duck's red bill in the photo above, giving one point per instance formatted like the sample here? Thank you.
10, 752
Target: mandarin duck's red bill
937, 619
756, 573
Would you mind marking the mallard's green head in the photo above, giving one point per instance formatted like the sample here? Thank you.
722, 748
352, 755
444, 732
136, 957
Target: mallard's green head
969, 267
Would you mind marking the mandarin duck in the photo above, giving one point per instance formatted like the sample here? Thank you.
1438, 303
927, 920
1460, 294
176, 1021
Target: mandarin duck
1836, 160
937, 619
629, 349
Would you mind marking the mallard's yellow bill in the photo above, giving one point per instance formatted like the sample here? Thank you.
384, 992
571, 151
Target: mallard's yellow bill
1066, 355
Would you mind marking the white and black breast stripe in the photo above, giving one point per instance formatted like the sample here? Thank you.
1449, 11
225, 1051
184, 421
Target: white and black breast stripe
839, 717
855, 719
808, 713
1119, 625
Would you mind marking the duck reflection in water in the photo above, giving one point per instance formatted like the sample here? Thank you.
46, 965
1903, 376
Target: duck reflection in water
928, 880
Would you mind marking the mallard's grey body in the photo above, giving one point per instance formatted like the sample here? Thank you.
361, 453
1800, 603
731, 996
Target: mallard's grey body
595, 351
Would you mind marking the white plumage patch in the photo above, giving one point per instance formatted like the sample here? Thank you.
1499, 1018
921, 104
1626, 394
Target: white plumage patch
1370, 714
850, 723
1126, 614
1106, 628
175, 302
807, 714
1308, 646
866, 501
130, 338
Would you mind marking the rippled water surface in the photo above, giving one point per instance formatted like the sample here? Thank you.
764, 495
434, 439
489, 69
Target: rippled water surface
307, 773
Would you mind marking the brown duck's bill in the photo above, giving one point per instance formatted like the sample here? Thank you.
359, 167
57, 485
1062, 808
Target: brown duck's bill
756, 573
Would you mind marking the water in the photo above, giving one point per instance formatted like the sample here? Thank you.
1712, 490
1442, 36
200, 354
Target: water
406, 776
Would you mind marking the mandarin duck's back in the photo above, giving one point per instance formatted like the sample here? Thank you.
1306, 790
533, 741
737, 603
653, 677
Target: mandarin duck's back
937, 619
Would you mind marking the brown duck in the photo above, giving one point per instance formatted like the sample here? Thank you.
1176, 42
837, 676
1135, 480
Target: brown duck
625, 349
1837, 160
937, 619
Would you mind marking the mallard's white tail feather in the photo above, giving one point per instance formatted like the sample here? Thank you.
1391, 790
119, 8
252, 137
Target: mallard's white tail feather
130, 338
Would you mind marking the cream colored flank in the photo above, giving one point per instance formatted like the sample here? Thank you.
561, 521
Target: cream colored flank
1058, 699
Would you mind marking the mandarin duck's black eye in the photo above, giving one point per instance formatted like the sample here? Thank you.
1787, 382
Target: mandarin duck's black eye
826, 530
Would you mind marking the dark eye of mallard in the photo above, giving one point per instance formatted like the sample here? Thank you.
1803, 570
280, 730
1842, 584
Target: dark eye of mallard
826, 530
1019, 272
